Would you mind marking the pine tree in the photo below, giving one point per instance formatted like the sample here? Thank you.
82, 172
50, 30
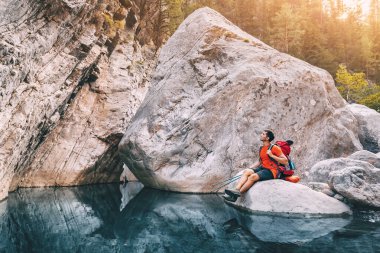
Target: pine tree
175, 14
286, 34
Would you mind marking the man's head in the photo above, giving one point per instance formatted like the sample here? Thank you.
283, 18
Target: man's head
267, 135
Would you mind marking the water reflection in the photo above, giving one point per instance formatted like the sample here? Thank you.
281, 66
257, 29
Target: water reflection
129, 191
290, 230
88, 219
171, 220
77, 219
4, 228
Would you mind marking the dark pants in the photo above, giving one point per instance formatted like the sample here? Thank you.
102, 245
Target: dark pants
264, 173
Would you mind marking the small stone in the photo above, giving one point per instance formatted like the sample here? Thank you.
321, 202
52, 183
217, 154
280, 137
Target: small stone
328, 192
338, 197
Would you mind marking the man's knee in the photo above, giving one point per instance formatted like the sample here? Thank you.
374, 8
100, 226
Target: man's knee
254, 177
247, 172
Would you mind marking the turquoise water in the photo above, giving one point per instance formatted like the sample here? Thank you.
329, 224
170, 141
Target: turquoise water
113, 218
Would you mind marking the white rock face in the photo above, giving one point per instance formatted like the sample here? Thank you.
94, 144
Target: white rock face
82, 147
369, 122
289, 199
68, 89
39, 72
214, 90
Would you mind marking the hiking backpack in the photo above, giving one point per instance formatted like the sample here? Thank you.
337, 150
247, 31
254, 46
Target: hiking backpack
284, 170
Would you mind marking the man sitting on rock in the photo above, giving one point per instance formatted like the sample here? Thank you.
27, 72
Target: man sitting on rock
264, 169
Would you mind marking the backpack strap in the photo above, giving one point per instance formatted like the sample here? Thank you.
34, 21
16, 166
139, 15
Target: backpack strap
261, 147
270, 148
279, 173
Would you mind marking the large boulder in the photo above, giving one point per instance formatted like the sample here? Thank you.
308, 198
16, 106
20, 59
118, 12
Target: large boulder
369, 121
214, 90
321, 171
366, 156
284, 198
360, 185
357, 181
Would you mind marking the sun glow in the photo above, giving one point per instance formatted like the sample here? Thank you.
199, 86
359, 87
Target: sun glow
353, 4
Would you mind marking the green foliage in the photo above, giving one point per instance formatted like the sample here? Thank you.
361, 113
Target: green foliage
111, 25
372, 101
351, 86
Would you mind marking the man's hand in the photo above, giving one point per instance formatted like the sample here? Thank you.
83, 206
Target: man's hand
255, 165
281, 159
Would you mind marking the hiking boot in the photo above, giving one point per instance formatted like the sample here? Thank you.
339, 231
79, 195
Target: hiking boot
232, 193
230, 198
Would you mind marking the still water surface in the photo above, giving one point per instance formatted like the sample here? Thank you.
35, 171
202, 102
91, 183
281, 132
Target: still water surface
113, 218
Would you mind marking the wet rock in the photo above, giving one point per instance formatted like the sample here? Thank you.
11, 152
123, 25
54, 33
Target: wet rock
214, 90
289, 199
